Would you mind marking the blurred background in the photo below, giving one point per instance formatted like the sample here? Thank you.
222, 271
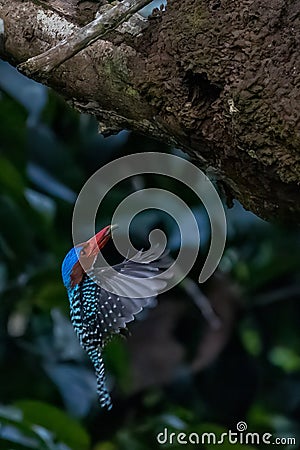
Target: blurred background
182, 366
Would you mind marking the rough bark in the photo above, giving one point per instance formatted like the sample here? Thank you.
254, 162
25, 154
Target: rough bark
220, 79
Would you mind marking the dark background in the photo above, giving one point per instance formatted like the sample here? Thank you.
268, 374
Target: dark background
175, 370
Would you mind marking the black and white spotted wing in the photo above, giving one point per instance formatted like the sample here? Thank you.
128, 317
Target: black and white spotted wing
121, 294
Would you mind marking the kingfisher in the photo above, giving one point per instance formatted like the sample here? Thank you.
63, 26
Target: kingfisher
104, 299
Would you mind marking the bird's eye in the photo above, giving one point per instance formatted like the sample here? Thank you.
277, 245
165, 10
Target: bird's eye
82, 252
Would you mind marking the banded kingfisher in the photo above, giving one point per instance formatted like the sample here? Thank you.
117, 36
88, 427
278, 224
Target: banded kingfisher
98, 311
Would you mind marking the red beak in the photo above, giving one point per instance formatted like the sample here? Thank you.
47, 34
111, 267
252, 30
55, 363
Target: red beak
97, 242
91, 249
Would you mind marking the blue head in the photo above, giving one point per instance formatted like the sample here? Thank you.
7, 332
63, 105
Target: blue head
68, 263
81, 258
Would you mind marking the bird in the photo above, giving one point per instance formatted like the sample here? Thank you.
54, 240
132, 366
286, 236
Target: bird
103, 300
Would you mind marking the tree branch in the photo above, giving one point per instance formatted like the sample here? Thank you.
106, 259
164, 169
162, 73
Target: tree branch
218, 81
69, 47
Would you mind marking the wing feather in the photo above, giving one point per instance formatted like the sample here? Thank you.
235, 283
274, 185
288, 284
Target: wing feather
122, 293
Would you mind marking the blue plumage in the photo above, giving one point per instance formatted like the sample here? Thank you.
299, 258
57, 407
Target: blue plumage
68, 263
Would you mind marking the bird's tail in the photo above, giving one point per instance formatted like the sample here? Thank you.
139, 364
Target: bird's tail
104, 398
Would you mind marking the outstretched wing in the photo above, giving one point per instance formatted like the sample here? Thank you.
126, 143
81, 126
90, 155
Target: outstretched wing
124, 290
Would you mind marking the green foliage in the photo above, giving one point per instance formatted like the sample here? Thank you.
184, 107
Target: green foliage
206, 381
66, 429
38, 425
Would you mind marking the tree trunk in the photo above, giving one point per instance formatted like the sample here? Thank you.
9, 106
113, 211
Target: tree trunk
219, 79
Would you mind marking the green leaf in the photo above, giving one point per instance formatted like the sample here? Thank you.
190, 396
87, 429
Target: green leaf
6, 444
11, 179
17, 432
105, 446
16, 234
50, 295
286, 358
251, 338
13, 129
66, 429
